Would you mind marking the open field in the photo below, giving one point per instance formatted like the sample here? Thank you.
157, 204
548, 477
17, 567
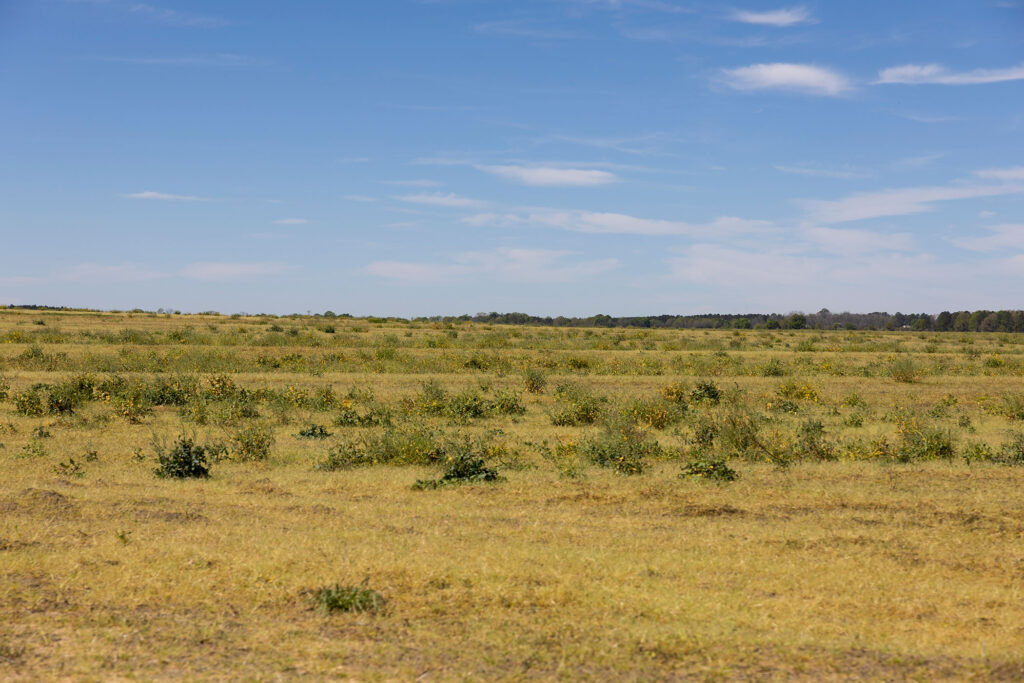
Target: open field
875, 530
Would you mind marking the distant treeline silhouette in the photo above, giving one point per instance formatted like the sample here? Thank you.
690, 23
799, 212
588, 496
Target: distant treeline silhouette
947, 321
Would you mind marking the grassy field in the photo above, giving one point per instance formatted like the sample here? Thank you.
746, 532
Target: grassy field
574, 515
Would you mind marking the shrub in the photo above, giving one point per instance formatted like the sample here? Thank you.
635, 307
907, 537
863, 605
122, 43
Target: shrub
708, 468
253, 442
904, 370
566, 458
465, 406
576, 406
30, 402
5, 388
314, 431
771, 368
347, 598
798, 392
508, 403
1012, 406
185, 459
1012, 452
464, 464
534, 381
675, 393
706, 392
394, 446
811, 444
653, 414
621, 446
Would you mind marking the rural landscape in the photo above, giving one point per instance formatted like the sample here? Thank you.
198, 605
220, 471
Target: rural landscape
184, 496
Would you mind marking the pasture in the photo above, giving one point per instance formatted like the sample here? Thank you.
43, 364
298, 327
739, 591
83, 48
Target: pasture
389, 499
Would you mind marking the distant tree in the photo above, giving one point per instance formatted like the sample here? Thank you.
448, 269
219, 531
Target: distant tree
797, 321
771, 324
944, 322
741, 323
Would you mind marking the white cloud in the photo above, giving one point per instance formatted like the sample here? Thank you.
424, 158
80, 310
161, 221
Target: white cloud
1007, 174
804, 78
547, 176
1005, 236
618, 223
230, 271
779, 17
451, 200
835, 241
900, 202
916, 74
149, 194
292, 221
503, 264
844, 173
359, 198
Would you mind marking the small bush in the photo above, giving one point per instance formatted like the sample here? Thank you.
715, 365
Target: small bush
621, 446
508, 403
708, 468
811, 443
706, 392
464, 463
185, 459
1012, 452
30, 403
576, 406
347, 598
771, 368
69, 469
253, 442
676, 393
534, 381
904, 370
314, 431
653, 414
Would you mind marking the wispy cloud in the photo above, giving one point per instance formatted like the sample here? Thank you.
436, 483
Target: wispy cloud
450, 200
809, 169
898, 202
547, 176
779, 17
291, 221
164, 196
1007, 236
918, 74
617, 223
98, 273
503, 264
1008, 174
836, 241
359, 198
803, 78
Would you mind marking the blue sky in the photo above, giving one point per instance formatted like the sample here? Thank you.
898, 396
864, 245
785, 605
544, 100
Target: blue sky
407, 157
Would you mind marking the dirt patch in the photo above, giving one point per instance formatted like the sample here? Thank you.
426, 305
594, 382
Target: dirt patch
42, 502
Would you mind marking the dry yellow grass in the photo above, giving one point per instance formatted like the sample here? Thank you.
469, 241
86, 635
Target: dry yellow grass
841, 570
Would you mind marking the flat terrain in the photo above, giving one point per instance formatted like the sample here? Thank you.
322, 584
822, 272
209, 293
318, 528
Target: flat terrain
875, 530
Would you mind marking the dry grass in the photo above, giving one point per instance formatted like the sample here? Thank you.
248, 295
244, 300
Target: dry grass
846, 570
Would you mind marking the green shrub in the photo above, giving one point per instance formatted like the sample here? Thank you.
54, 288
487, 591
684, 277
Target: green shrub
676, 393
811, 443
30, 402
464, 463
771, 368
621, 446
314, 431
508, 403
1012, 452
394, 446
534, 381
347, 598
253, 442
5, 388
576, 406
185, 459
904, 369
706, 392
654, 414
708, 468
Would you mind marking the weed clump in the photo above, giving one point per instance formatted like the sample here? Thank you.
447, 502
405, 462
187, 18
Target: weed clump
464, 463
314, 431
707, 468
706, 392
534, 381
576, 406
184, 460
358, 598
621, 446
253, 442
